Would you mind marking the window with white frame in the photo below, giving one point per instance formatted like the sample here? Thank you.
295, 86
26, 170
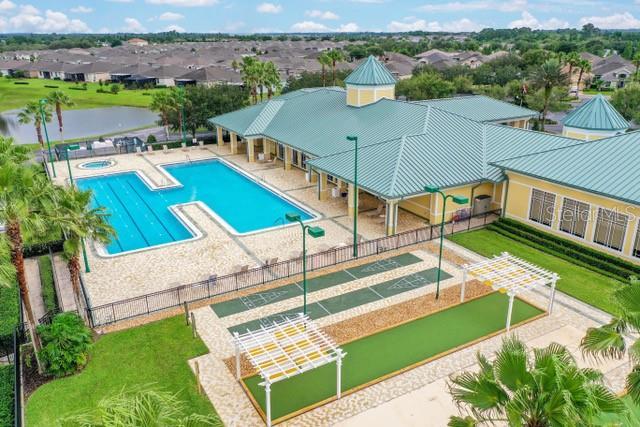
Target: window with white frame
574, 217
611, 227
636, 243
542, 205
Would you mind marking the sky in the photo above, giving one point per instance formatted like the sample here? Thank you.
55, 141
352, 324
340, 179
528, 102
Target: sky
246, 16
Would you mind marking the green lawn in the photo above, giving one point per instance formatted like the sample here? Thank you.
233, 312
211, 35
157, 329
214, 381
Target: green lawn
388, 351
154, 353
14, 96
584, 284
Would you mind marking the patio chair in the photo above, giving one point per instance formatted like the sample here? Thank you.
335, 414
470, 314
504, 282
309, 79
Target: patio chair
165, 148
378, 211
201, 144
138, 151
183, 146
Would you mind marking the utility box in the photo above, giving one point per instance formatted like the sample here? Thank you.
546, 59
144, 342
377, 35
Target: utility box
481, 204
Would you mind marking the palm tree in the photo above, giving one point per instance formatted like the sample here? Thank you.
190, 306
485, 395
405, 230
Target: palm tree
335, 56
11, 152
31, 113
572, 59
142, 408
261, 77
325, 61
162, 103
545, 389
60, 99
585, 67
608, 341
271, 78
24, 193
548, 76
177, 100
249, 72
79, 222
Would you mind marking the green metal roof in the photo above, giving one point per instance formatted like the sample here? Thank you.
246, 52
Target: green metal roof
606, 166
596, 114
480, 108
450, 150
370, 73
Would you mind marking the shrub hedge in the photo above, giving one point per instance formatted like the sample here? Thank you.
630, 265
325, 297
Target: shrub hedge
6, 395
49, 296
9, 316
42, 248
566, 249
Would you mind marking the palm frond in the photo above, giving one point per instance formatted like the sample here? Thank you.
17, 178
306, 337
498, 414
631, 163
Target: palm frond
606, 341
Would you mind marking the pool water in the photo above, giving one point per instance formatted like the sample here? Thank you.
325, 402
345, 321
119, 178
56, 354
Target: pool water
99, 164
142, 217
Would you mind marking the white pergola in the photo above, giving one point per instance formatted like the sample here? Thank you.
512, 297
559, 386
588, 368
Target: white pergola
510, 275
286, 349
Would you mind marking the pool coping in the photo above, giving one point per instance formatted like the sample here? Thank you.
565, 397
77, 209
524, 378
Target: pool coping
83, 166
175, 209
392, 374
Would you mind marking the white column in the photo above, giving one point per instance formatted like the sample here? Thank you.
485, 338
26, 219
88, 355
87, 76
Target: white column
267, 390
509, 311
288, 156
251, 143
552, 294
266, 148
237, 360
219, 136
350, 207
234, 143
391, 217
323, 186
464, 283
339, 376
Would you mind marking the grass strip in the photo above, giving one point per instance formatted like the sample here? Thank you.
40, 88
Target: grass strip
392, 350
582, 283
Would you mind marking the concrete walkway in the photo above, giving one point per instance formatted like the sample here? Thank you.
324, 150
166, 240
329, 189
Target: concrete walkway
65, 289
32, 271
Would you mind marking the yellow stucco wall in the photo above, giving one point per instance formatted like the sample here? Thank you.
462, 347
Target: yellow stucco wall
386, 93
430, 207
352, 97
366, 96
519, 196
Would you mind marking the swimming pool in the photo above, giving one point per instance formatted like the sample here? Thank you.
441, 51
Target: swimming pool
97, 164
144, 217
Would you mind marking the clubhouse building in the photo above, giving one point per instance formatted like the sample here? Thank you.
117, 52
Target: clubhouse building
471, 146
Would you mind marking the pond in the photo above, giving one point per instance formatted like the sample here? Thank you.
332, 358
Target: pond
87, 123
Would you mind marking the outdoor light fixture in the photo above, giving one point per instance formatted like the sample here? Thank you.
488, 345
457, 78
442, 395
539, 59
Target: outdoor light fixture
314, 232
460, 200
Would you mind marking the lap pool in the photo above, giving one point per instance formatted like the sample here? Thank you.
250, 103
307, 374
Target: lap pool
144, 217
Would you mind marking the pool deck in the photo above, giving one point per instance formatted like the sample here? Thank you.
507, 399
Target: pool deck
217, 251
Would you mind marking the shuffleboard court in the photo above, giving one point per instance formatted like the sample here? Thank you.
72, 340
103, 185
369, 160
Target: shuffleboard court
392, 350
259, 299
351, 299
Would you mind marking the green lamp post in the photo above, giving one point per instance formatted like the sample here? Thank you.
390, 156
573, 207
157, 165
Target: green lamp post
42, 104
314, 232
432, 189
354, 139
70, 147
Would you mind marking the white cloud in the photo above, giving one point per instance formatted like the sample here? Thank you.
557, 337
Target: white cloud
327, 14
413, 24
30, 19
120, 1
368, 1
350, 27
6, 5
81, 9
176, 28
234, 26
457, 6
185, 3
132, 25
618, 21
269, 8
530, 21
4, 25
309, 27
170, 16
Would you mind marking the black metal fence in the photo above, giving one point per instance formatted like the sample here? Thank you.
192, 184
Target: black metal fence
174, 297
18, 340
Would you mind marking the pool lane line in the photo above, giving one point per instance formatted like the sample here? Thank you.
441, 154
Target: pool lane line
97, 203
129, 214
152, 211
